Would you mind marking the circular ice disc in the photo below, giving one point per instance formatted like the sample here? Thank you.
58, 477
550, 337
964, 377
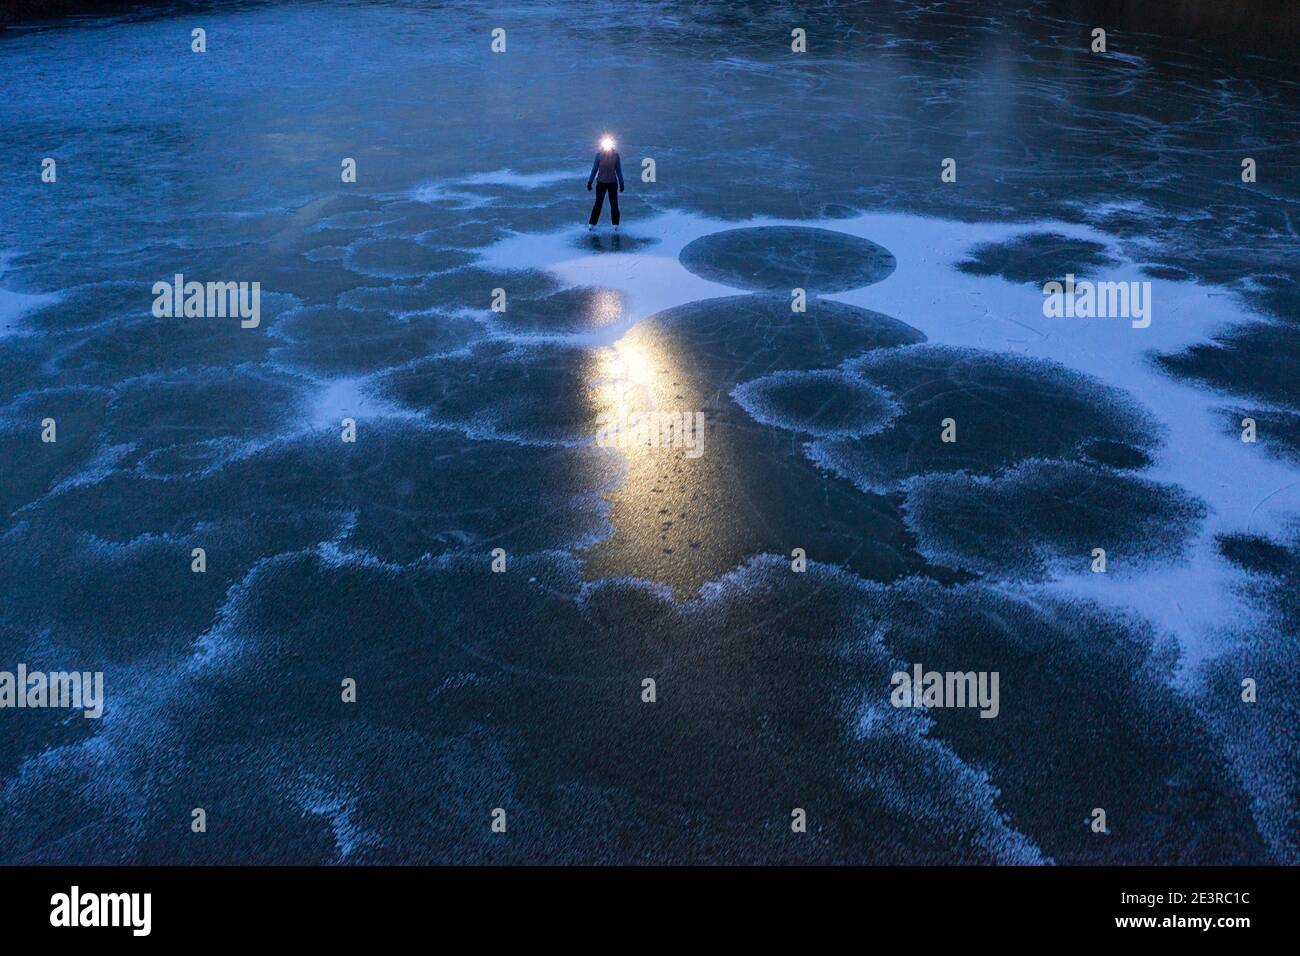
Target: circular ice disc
781, 258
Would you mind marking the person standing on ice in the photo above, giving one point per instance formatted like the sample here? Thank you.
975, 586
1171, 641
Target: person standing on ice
606, 170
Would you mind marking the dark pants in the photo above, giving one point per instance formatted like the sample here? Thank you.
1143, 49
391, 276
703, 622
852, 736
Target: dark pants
601, 189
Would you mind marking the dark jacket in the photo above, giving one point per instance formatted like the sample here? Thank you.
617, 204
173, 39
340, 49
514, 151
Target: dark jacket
607, 168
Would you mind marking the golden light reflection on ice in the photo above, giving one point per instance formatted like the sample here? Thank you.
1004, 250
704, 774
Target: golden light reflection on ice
652, 413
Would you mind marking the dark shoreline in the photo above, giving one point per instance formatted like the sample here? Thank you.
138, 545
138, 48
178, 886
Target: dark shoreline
27, 11
1261, 27
15, 12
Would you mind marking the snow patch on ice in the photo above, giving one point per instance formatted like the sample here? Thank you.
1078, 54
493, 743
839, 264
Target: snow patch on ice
13, 305
350, 398
508, 177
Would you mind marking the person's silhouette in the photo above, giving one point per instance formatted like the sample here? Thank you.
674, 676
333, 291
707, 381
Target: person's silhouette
606, 170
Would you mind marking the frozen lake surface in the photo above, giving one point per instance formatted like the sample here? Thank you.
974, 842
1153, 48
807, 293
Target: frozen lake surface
822, 416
